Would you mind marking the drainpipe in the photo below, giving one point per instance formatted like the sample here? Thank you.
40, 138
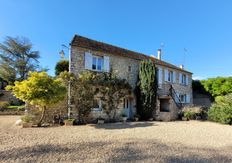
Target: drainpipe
69, 86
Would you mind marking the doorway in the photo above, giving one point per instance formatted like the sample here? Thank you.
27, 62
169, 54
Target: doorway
127, 107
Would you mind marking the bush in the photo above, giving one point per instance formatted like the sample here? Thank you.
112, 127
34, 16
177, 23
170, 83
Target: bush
26, 118
195, 112
221, 110
4, 105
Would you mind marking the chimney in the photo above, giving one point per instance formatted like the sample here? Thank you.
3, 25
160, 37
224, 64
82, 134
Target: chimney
182, 67
159, 54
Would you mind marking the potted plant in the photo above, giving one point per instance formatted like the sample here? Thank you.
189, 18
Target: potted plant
69, 121
187, 115
100, 120
124, 117
137, 117
26, 121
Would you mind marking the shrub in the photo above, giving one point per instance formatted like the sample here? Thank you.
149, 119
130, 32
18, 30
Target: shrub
194, 112
26, 118
4, 105
221, 110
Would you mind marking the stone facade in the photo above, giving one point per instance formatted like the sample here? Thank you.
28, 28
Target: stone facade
127, 67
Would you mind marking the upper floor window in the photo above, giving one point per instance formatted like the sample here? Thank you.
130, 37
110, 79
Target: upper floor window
170, 76
183, 79
97, 63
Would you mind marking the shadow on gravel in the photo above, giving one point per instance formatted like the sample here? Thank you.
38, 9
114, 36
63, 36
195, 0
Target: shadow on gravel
127, 125
137, 150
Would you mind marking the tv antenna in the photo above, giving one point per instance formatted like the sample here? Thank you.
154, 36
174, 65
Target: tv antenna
185, 55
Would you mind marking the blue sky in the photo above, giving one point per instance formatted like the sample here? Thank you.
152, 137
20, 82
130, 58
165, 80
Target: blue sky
203, 27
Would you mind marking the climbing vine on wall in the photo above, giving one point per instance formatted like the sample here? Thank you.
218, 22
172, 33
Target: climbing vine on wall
147, 87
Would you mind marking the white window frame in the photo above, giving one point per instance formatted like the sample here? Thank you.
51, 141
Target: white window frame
126, 103
97, 63
170, 76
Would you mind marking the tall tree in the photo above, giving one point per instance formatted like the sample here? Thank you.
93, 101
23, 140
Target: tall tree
17, 59
148, 89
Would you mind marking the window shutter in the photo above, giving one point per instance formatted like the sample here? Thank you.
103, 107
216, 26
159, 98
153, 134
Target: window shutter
106, 63
160, 81
174, 77
166, 75
187, 80
180, 78
188, 99
88, 61
177, 97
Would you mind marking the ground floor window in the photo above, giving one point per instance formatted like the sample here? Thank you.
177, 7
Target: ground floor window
183, 98
97, 105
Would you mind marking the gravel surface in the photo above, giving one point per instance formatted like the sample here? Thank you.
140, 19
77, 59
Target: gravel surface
131, 142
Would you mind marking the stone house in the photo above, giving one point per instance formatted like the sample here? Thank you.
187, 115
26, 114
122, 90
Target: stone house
175, 83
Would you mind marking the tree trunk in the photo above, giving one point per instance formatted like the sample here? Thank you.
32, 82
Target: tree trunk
42, 116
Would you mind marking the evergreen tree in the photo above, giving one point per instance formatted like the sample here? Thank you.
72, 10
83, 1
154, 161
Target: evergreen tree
147, 89
17, 59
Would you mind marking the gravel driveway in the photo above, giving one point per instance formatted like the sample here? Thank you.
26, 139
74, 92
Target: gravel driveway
132, 142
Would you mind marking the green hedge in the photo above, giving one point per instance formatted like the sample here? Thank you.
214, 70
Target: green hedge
221, 110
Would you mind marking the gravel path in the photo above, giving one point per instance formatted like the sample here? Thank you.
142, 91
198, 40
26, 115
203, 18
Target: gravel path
132, 142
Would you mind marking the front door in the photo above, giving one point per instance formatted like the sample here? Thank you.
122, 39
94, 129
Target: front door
127, 107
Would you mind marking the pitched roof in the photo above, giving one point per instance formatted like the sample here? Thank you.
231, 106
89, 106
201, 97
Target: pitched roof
94, 45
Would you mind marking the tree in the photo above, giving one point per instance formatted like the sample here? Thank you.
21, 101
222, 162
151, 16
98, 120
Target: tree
61, 66
219, 86
41, 90
147, 89
17, 59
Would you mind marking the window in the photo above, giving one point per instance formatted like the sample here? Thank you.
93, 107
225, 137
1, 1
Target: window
183, 98
183, 79
97, 63
126, 103
170, 76
97, 106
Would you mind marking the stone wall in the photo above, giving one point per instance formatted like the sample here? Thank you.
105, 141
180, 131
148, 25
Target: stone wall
120, 66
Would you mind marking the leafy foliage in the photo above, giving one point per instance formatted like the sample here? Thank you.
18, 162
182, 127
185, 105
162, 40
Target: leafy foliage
4, 105
112, 90
17, 59
88, 85
221, 110
219, 86
61, 66
147, 90
40, 90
